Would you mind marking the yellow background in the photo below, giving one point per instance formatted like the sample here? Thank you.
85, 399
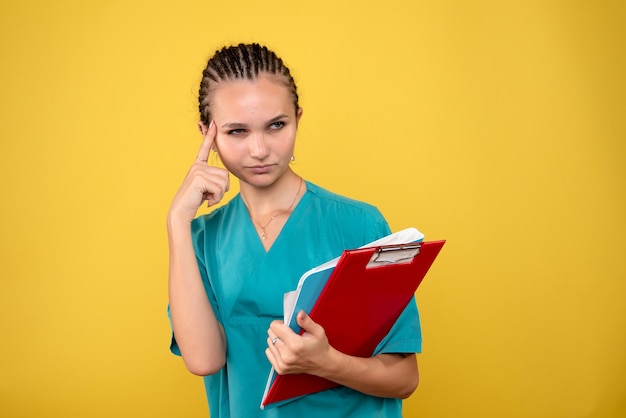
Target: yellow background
497, 125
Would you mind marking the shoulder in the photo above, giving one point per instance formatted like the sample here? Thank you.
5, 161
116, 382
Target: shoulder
205, 229
341, 204
354, 218
213, 219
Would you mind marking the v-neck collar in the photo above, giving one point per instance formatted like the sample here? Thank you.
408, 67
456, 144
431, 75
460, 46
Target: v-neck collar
285, 230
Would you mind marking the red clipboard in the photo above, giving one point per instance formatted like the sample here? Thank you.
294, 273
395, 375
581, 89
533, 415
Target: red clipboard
374, 284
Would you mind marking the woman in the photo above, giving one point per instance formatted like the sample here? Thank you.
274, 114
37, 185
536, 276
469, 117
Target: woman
229, 269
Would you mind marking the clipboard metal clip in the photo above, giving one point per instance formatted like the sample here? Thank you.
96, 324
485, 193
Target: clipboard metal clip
394, 254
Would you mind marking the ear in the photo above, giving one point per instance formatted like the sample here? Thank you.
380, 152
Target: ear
299, 115
203, 128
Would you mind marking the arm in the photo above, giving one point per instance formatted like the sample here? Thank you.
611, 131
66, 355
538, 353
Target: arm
384, 375
199, 335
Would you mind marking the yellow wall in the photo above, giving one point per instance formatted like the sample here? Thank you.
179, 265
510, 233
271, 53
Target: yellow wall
498, 126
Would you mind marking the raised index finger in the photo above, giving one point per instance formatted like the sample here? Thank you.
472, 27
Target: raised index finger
205, 148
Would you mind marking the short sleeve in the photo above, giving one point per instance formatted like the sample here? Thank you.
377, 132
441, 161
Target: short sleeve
173, 345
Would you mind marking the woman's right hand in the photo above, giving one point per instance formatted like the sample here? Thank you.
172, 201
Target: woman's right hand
199, 334
203, 182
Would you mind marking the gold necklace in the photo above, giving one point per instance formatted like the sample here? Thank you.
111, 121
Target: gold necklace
262, 227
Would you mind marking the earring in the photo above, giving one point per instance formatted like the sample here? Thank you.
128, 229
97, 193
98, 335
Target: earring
293, 158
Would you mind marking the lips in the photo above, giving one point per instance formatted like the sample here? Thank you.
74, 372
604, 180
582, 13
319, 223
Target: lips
261, 169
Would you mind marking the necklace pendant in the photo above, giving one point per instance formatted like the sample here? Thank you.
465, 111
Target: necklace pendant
263, 235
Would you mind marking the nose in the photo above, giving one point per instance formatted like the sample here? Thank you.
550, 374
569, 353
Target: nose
258, 147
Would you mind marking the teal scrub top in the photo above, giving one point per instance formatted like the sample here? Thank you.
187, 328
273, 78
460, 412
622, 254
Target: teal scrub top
245, 285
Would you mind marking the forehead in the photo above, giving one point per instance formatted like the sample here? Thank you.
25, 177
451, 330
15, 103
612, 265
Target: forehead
264, 96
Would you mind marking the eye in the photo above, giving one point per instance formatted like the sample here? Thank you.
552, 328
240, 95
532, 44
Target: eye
277, 125
235, 132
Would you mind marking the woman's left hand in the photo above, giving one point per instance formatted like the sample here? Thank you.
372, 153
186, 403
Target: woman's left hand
290, 353
383, 375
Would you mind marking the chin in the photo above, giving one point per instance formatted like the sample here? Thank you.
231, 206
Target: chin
259, 180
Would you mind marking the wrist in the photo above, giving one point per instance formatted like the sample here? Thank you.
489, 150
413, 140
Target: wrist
333, 364
178, 223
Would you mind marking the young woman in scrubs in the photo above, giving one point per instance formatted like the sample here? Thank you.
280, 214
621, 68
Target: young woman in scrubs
229, 269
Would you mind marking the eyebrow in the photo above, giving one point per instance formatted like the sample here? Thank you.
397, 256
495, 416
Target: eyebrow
237, 125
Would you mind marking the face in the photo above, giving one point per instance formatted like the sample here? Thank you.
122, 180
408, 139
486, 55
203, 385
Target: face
256, 128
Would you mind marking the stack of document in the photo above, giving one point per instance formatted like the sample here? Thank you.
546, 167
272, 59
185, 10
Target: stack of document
374, 282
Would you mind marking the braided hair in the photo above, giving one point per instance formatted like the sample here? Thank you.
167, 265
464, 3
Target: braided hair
241, 62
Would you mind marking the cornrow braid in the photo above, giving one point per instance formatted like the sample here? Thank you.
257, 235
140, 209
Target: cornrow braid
241, 62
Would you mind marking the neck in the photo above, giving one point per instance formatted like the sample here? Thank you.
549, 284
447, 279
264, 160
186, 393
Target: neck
281, 196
